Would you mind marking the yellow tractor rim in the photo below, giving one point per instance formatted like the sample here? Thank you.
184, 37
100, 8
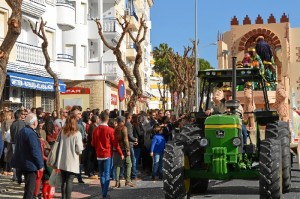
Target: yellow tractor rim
187, 181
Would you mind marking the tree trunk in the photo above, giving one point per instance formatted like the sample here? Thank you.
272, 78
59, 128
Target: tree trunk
132, 102
41, 34
14, 30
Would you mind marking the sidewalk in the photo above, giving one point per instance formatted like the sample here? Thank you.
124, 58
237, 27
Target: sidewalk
91, 188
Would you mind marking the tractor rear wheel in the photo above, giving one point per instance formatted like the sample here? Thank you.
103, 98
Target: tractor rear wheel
270, 176
190, 136
280, 130
196, 161
173, 172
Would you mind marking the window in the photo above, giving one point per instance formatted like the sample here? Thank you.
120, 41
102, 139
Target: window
48, 101
71, 50
93, 50
3, 25
27, 97
82, 56
83, 14
50, 38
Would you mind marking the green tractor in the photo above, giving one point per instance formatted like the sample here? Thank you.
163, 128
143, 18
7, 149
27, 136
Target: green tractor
213, 148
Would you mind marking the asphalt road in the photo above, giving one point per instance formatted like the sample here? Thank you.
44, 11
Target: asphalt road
241, 189
148, 189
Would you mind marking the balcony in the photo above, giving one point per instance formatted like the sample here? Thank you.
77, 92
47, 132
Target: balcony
32, 55
112, 71
65, 64
35, 8
130, 52
65, 59
133, 22
30, 59
65, 15
112, 30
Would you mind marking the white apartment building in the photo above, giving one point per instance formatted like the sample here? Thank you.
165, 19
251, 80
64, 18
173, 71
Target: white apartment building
88, 70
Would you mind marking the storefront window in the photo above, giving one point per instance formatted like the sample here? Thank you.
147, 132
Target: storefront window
48, 101
27, 97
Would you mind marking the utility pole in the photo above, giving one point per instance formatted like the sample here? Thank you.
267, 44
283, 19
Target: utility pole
196, 61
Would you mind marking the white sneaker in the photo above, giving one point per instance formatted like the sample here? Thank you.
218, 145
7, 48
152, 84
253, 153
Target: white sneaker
255, 164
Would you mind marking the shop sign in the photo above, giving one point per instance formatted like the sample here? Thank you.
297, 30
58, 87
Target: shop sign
114, 99
77, 90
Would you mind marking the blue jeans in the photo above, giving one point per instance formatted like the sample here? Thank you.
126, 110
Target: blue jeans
157, 164
245, 134
133, 168
104, 173
137, 154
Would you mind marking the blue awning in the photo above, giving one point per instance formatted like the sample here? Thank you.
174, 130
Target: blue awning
34, 82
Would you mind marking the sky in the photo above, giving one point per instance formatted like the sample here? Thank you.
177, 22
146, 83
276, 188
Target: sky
173, 21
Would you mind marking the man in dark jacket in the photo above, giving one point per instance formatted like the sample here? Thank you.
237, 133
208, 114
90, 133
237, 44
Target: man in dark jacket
132, 141
28, 154
15, 128
263, 49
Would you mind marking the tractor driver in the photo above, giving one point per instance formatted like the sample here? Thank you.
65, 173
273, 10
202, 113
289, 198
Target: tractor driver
220, 96
217, 105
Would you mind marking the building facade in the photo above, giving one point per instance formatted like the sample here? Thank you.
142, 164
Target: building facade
285, 45
77, 53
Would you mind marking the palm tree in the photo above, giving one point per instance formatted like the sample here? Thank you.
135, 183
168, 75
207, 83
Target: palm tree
162, 67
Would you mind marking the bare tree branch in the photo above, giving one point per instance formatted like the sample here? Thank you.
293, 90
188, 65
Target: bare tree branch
102, 36
40, 32
134, 85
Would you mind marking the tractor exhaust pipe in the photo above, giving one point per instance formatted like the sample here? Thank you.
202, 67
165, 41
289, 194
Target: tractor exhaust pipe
233, 89
233, 104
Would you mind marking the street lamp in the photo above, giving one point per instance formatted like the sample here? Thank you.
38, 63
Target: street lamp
196, 61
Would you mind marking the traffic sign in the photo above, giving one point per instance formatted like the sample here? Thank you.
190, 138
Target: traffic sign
121, 90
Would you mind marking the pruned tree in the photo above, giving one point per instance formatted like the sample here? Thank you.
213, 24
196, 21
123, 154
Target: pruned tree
39, 30
184, 72
14, 30
135, 81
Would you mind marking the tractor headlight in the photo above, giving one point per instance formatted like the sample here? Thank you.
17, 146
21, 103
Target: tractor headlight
243, 72
207, 73
248, 72
203, 142
213, 73
236, 142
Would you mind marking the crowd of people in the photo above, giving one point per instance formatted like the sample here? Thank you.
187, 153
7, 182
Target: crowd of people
115, 146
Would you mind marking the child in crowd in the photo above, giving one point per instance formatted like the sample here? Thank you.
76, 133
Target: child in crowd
157, 151
48, 191
43, 176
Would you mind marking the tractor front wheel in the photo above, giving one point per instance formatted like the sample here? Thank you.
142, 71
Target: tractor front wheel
280, 130
173, 172
270, 176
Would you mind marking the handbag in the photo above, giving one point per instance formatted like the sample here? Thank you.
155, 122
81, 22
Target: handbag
54, 153
55, 178
6, 136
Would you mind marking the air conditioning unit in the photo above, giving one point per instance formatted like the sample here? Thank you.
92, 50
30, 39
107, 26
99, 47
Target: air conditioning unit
15, 94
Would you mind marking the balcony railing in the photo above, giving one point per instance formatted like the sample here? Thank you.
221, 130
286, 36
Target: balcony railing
30, 54
65, 58
112, 70
111, 25
42, 2
34, 8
